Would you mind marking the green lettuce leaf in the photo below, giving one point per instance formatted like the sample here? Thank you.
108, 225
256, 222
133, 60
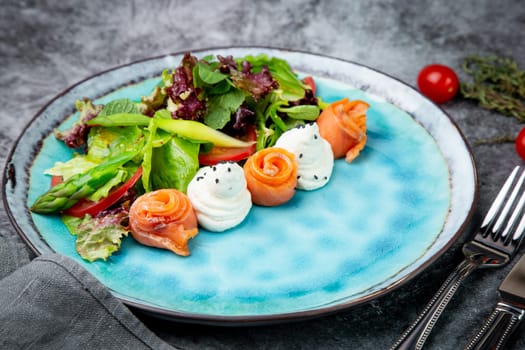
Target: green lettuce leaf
174, 164
77, 165
99, 237
110, 141
148, 154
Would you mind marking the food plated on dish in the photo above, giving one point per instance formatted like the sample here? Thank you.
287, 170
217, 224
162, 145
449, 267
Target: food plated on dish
153, 168
346, 233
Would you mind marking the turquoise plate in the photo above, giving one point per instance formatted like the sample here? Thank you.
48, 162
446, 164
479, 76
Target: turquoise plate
380, 220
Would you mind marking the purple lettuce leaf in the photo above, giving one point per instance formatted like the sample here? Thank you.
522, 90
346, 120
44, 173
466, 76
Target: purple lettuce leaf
183, 92
257, 84
76, 136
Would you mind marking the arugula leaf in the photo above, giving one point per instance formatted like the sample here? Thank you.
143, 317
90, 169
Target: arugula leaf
208, 74
303, 112
99, 237
220, 88
123, 105
272, 113
220, 108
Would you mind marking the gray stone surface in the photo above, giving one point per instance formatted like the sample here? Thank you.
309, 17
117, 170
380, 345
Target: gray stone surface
45, 46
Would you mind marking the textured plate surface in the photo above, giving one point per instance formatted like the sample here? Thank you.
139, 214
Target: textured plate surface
379, 221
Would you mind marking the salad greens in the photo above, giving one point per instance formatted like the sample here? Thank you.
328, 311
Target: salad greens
181, 155
99, 237
201, 105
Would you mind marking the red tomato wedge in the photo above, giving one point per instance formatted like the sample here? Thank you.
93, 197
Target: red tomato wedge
226, 154
56, 179
310, 81
83, 207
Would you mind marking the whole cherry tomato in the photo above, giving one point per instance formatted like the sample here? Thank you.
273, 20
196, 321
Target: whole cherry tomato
520, 144
438, 82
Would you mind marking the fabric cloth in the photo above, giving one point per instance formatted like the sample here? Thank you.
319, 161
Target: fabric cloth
54, 303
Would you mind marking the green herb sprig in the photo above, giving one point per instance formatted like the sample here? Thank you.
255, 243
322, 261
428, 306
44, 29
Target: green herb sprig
498, 84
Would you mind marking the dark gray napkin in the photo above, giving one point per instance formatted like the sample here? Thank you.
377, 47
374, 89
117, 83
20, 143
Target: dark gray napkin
54, 303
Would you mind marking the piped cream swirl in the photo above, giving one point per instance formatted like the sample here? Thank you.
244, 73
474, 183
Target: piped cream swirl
313, 154
219, 196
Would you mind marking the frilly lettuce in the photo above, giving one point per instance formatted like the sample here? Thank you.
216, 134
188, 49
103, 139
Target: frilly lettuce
98, 237
77, 165
76, 136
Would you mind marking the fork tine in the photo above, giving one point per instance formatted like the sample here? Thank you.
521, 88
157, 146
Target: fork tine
520, 229
513, 218
509, 205
492, 213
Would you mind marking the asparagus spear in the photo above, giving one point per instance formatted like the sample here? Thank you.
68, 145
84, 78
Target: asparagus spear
67, 193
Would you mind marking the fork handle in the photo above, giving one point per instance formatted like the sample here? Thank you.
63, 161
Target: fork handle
416, 335
498, 327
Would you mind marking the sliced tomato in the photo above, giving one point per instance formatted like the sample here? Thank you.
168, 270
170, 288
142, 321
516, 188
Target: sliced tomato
56, 179
229, 154
83, 207
310, 82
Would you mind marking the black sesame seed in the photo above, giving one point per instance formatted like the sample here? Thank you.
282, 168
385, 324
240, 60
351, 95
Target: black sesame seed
214, 168
315, 136
326, 177
315, 177
300, 155
229, 169
216, 181
298, 177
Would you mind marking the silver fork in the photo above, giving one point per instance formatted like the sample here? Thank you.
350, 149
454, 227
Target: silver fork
495, 243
